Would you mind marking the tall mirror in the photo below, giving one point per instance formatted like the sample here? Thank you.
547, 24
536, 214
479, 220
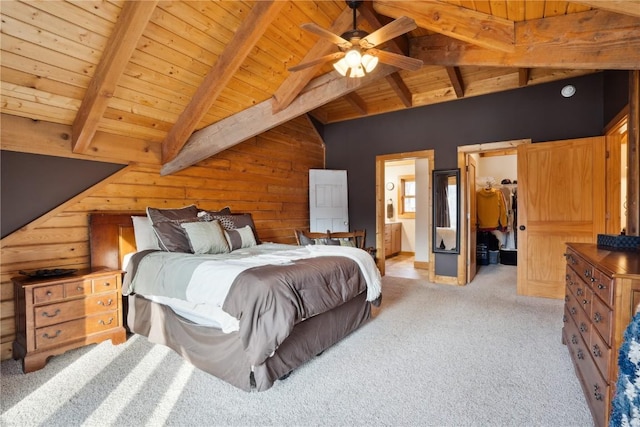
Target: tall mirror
446, 218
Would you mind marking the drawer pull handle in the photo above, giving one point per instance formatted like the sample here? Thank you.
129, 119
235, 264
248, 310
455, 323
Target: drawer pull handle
601, 286
46, 314
580, 355
573, 310
107, 283
102, 322
47, 336
580, 292
587, 273
574, 339
583, 327
564, 318
109, 301
595, 350
80, 288
596, 392
585, 302
597, 317
49, 293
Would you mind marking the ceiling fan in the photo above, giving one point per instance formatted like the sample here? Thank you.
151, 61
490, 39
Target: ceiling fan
358, 53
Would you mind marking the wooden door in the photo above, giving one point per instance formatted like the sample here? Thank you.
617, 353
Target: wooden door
472, 267
560, 199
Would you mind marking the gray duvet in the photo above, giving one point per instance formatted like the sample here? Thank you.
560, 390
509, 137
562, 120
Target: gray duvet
268, 300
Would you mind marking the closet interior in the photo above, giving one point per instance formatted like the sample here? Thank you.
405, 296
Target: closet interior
496, 196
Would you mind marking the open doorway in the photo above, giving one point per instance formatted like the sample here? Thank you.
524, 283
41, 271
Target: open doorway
403, 209
484, 165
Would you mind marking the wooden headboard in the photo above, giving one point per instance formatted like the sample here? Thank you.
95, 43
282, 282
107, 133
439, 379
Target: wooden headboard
111, 237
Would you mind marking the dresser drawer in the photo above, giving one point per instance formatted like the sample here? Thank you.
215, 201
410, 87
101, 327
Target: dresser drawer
573, 308
105, 284
596, 390
603, 287
580, 266
571, 280
601, 353
77, 288
575, 342
601, 316
69, 310
61, 333
584, 297
49, 293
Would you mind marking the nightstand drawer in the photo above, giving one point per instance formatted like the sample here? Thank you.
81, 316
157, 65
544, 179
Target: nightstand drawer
48, 293
65, 311
64, 332
104, 284
79, 288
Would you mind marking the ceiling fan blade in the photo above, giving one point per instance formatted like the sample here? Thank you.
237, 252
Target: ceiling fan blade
313, 62
334, 38
391, 30
397, 60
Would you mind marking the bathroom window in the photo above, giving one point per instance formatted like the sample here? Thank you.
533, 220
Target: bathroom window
407, 196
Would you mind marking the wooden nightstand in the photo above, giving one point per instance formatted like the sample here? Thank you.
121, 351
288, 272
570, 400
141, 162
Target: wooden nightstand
57, 314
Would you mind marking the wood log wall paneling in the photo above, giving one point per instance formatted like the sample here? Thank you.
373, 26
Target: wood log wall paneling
267, 175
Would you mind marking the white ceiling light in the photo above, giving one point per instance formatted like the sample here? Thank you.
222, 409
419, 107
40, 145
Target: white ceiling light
354, 64
568, 91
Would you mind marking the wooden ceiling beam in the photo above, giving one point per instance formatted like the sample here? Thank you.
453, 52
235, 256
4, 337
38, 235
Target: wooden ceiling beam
25, 135
523, 76
587, 40
456, 81
625, 7
131, 23
234, 54
296, 81
357, 103
401, 89
398, 45
468, 25
260, 118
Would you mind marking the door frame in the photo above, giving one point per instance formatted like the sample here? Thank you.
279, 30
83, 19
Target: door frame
380, 200
508, 147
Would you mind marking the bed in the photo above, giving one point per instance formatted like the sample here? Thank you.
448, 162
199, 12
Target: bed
277, 328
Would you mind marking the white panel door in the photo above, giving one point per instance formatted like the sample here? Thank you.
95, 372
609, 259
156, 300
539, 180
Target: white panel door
328, 205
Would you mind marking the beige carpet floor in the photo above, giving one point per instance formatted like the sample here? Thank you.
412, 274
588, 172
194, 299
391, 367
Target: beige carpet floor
432, 355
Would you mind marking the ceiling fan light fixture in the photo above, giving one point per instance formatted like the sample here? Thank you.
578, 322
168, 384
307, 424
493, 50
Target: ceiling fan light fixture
355, 65
369, 62
353, 58
341, 66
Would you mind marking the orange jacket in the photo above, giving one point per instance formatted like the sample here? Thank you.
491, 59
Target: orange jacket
491, 209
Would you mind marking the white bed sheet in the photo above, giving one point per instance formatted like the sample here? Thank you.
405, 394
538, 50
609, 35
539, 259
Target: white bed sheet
208, 315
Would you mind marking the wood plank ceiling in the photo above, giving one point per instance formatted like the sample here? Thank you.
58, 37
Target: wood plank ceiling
174, 82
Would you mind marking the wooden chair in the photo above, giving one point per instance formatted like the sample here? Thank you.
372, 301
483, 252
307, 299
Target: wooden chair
358, 237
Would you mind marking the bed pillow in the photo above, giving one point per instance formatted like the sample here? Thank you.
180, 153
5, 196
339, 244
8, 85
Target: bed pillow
237, 220
208, 215
166, 224
303, 239
144, 234
240, 238
206, 237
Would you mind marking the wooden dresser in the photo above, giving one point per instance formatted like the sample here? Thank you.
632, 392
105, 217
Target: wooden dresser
57, 314
601, 296
392, 238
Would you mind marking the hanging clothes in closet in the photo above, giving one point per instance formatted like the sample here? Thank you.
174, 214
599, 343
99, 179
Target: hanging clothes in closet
491, 209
